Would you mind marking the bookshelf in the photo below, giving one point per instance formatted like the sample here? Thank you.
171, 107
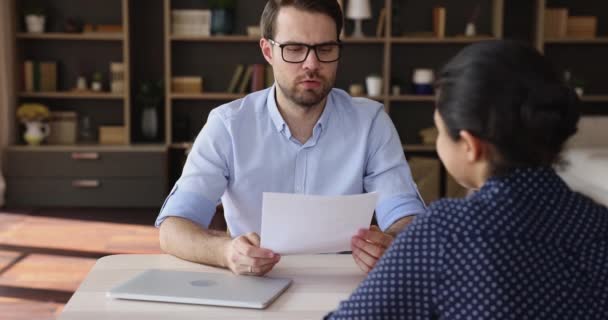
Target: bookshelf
382, 54
49, 175
72, 36
79, 54
72, 95
565, 48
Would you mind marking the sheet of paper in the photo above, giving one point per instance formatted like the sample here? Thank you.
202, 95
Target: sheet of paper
303, 224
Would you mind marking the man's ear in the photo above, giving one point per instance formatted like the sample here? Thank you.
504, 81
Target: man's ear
474, 148
266, 50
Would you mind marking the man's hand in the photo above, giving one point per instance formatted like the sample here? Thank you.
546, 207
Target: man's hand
243, 255
368, 245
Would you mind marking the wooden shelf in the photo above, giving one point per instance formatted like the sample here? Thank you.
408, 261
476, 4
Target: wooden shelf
413, 98
90, 147
419, 147
235, 38
207, 96
244, 38
594, 98
73, 95
92, 36
363, 40
432, 40
598, 40
181, 145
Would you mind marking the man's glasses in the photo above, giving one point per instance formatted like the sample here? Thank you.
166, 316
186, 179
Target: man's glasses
298, 52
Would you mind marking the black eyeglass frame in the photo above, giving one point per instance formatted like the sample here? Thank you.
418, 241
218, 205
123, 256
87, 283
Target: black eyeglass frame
309, 47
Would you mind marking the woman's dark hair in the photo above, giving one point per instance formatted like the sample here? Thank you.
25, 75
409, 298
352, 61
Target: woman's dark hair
509, 95
330, 8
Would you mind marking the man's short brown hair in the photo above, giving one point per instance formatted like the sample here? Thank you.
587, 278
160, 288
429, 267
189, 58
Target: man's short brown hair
330, 8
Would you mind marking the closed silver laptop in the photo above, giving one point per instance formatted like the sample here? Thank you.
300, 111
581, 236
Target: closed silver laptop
201, 288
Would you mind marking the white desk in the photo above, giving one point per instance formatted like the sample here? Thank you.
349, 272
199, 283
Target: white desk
320, 282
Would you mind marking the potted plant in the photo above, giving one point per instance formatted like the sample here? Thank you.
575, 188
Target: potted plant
34, 19
222, 16
579, 86
149, 98
32, 116
96, 83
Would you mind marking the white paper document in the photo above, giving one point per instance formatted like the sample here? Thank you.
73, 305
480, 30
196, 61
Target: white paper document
304, 224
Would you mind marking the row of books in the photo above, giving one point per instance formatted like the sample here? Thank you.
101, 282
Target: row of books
250, 78
191, 22
559, 24
39, 76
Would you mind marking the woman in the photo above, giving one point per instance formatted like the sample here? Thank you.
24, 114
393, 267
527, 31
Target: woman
524, 246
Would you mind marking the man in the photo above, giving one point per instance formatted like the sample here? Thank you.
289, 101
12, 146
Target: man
300, 136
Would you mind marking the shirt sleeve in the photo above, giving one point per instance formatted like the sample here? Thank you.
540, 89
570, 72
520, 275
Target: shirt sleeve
204, 177
403, 284
389, 174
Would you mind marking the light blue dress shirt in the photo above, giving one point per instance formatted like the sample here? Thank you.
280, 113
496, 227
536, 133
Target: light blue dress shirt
246, 148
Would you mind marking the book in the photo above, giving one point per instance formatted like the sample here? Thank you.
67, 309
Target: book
245, 79
582, 27
439, 16
186, 84
381, 23
48, 76
257, 77
36, 76
28, 75
556, 20
236, 76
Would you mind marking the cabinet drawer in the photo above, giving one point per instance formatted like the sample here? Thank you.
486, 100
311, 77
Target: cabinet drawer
85, 163
102, 192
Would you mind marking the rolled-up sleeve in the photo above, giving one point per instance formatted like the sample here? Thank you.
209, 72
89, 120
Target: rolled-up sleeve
205, 175
389, 174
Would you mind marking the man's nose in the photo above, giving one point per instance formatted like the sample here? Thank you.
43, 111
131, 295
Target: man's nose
311, 62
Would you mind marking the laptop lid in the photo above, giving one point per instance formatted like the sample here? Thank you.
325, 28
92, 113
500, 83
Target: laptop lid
201, 288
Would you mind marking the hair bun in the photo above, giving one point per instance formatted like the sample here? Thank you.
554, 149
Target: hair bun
551, 113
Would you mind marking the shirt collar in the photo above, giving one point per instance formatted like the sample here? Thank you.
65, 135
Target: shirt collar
273, 109
278, 120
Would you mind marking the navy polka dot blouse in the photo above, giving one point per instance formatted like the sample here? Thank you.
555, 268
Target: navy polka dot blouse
524, 247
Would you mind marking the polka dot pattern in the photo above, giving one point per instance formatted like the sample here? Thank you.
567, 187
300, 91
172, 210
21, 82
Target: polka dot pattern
523, 247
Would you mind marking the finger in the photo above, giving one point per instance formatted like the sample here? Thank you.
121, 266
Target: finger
256, 262
265, 269
376, 236
253, 238
258, 270
364, 267
244, 247
365, 258
372, 249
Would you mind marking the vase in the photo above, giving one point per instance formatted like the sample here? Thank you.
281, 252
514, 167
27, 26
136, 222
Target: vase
222, 21
35, 23
35, 132
374, 86
149, 123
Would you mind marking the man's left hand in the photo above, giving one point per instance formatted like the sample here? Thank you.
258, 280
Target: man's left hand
368, 245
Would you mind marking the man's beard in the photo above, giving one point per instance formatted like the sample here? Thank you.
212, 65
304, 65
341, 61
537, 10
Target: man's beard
308, 98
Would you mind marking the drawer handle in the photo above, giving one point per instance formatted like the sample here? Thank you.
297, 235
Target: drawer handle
85, 156
86, 184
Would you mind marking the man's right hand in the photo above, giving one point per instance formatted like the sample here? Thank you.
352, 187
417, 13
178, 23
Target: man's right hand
243, 255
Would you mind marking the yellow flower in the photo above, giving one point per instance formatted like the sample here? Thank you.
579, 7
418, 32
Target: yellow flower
33, 112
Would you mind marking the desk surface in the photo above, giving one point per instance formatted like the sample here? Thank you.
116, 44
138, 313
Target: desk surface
320, 282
